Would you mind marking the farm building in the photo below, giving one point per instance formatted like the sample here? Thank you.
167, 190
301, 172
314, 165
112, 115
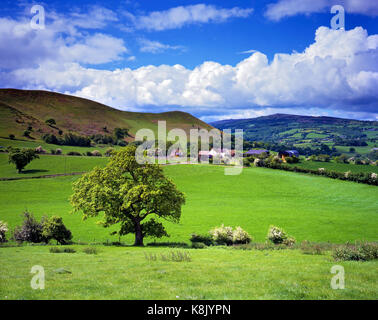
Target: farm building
288, 153
256, 152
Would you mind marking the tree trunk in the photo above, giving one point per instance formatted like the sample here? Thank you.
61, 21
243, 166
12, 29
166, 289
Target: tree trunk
138, 234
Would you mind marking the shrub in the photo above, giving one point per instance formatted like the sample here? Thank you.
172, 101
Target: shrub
198, 245
358, 252
96, 153
40, 150
58, 151
222, 235
27, 133
122, 143
90, 250
53, 228
3, 231
62, 250
88, 154
198, 238
29, 231
52, 151
240, 236
289, 241
12, 136
109, 152
51, 139
276, 235
50, 122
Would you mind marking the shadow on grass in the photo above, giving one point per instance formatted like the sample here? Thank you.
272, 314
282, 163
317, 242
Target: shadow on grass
32, 171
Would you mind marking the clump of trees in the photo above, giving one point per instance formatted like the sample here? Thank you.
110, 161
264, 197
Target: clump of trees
21, 157
45, 230
69, 139
134, 196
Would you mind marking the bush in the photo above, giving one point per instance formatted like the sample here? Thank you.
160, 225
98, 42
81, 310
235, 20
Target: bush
109, 152
358, 252
12, 136
51, 139
62, 250
30, 230
50, 122
122, 143
198, 245
58, 151
276, 235
53, 228
198, 238
40, 150
240, 236
3, 231
96, 153
90, 250
222, 235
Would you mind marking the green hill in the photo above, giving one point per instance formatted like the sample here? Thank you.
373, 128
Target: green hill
21, 109
307, 131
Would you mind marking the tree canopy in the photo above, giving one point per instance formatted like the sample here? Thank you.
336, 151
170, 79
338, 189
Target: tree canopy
21, 157
133, 195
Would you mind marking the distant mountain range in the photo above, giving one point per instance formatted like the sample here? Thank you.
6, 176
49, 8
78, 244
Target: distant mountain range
21, 110
296, 129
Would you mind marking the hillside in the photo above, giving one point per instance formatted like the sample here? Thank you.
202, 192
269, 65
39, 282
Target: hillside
295, 129
20, 109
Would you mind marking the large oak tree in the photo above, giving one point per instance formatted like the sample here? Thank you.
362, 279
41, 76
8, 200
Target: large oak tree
134, 195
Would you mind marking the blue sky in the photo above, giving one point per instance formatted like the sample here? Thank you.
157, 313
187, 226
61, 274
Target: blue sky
214, 59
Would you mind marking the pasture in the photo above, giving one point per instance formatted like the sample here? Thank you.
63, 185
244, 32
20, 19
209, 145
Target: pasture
308, 207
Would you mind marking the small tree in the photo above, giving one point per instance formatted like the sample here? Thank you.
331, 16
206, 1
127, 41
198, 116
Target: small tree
12, 136
3, 231
51, 122
21, 157
129, 194
29, 231
54, 228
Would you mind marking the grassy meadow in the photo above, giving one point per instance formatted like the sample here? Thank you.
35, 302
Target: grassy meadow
308, 207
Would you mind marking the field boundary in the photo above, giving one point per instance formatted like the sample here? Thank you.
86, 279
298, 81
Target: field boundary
44, 176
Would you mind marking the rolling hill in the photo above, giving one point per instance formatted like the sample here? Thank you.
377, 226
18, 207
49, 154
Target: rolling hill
20, 109
296, 129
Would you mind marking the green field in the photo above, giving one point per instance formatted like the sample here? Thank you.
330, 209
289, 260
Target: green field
308, 207
50, 165
214, 273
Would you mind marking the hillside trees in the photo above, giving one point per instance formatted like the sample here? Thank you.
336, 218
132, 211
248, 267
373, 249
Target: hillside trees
130, 194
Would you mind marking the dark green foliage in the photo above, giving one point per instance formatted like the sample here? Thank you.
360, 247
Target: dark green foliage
12, 136
74, 153
51, 139
54, 228
69, 139
207, 239
358, 252
30, 230
121, 133
122, 143
198, 245
26, 133
21, 157
103, 139
50, 122
62, 250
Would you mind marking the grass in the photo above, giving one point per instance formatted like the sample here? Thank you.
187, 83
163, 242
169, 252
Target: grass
308, 207
50, 165
214, 273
